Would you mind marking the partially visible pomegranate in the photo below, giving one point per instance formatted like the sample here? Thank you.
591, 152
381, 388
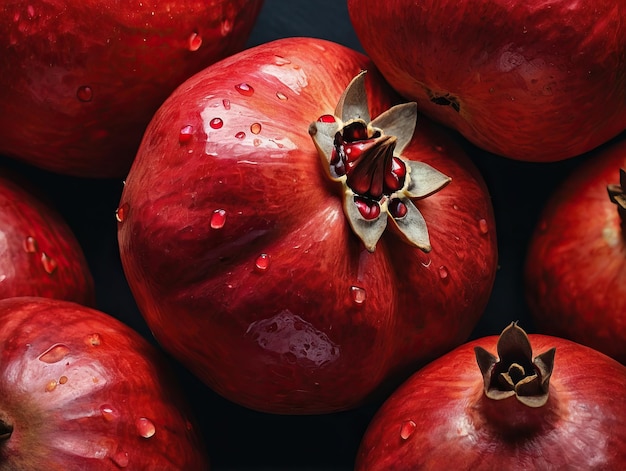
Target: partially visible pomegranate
79, 390
532, 80
575, 268
297, 241
80, 80
560, 409
39, 253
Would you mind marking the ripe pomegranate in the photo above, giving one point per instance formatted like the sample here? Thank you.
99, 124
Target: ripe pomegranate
79, 81
575, 267
517, 411
296, 240
532, 80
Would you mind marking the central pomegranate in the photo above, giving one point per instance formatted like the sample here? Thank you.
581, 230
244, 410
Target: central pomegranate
289, 286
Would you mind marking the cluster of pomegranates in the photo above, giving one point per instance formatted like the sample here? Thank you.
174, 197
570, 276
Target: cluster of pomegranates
306, 228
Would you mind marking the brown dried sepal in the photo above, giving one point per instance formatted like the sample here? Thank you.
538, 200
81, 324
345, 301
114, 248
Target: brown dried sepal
514, 372
617, 194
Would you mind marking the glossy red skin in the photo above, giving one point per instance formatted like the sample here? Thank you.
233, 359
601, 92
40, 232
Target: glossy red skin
290, 338
582, 426
39, 253
535, 80
132, 54
113, 377
575, 270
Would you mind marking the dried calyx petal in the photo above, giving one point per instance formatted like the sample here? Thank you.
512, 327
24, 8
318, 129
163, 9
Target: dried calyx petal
617, 194
365, 156
514, 372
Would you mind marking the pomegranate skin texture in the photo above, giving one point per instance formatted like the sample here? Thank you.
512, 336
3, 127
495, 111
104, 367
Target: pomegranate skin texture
443, 417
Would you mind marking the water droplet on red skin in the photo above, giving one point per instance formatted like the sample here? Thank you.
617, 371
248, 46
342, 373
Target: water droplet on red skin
30, 245
407, 428
218, 219
216, 123
262, 262
194, 42
483, 226
49, 264
84, 93
54, 354
358, 294
121, 212
145, 427
109, 413
244, 89
255, 128
185, 134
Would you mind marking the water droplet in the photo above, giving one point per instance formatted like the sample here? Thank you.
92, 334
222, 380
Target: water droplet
262, 262
195, 41
483, 227
280, 60
218, 219
145, 427
244, 89
216, 123
226, 103
185, 134
51, 385
49, 264
108, 413
63, 380
281, 96
407, 428
443, 272
120, 458
55, 353
30, 244
358, 294
255, 128
93, 340
122, 212
256, 142
84, 93
226, 27
240, 135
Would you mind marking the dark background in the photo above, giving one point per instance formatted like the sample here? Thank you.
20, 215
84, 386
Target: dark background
240, 439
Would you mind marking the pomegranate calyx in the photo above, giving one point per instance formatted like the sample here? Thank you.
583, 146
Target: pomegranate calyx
514, 372
365, 157
617, 194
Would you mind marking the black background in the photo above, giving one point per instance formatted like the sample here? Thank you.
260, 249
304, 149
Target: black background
240, 439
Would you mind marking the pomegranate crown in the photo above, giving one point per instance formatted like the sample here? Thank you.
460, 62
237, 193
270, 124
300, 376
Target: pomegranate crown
365, 156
